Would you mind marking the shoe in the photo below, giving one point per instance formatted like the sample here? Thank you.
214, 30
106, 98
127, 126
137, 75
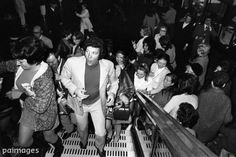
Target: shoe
82, 146
66, 135
109, 137
101, 153
58, 148
108, 140
116, 138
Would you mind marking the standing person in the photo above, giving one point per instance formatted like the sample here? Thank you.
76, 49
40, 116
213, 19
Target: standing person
151, 19
57, 61
169, 19
88, 86
65, 46
34, 87
202, 58
158, 72
38, 33
144, 33
203, 33
169, 49
85, 23
53, 21
162, 32
214, 109
20, 9
183, 29
77, 39
124, 95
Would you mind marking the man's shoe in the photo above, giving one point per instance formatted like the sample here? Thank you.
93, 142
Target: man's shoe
66, 135
101, 153
82, 146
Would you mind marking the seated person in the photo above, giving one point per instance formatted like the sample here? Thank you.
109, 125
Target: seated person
187, 116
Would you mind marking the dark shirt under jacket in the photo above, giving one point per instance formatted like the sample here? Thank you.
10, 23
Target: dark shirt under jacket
92, 78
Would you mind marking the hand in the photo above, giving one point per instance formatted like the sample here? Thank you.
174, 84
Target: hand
185, 47
28, 89
124, 99
14, 94
62, 101
80, 93
118, 105
110, 99
77, 14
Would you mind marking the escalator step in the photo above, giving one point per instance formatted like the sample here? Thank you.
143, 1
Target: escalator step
123, 148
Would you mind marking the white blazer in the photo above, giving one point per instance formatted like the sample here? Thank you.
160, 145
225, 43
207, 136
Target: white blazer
72, 77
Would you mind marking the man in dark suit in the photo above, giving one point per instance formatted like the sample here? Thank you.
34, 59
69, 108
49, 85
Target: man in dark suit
182, 40
53, 21
203, 33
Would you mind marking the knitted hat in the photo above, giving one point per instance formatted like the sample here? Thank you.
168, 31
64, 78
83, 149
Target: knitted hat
197, 68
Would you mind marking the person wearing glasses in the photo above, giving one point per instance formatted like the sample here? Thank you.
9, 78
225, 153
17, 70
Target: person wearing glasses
38, 33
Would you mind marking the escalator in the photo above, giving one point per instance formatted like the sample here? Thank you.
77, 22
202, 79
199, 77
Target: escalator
169, 139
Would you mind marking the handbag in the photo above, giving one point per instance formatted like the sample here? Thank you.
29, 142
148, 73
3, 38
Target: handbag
121, 113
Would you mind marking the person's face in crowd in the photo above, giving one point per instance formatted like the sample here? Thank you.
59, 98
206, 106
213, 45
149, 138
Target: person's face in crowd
37, 32
120, 58
75, 41
141, 33
167, 82
83, 7
188, 19
92, 55
52, 61
208, 22
202, 51
161, 63
145, 47
24, 64
140, 73
162, 31
189, 70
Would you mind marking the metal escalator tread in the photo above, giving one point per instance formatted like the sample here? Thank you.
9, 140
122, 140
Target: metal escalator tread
123, 148
146, 144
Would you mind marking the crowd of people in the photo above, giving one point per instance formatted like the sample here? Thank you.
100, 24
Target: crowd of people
64, 78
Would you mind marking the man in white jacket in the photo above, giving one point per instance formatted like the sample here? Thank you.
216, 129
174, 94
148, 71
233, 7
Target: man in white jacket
87, 78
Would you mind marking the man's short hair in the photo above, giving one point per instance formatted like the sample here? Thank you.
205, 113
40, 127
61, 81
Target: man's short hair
220, 79
187, 115
95, 42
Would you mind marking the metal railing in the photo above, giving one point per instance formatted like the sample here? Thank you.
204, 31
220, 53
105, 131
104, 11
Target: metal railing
180, 142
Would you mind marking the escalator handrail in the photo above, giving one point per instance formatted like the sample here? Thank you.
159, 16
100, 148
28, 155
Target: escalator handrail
180, 142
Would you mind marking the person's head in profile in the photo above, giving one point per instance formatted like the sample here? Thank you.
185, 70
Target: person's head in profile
187, 116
